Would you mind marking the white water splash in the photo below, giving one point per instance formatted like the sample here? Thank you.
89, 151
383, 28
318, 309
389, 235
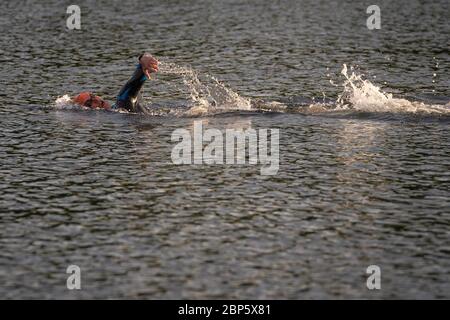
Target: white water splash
362, 95
207, 94
63, 101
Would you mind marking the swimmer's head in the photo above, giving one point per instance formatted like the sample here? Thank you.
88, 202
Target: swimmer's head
87, 99
82, 98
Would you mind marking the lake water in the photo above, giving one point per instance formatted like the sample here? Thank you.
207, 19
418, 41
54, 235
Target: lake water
364, 174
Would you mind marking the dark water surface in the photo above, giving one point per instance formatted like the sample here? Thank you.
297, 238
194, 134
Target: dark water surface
357, 186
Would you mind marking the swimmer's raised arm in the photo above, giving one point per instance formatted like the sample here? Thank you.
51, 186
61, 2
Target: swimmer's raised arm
129, 96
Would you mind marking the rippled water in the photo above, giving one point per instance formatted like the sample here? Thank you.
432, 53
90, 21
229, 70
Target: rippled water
364, 173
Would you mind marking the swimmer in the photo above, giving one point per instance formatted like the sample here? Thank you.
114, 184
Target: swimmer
129, 96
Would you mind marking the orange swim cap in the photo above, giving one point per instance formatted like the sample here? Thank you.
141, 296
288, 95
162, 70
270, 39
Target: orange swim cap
82, 98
